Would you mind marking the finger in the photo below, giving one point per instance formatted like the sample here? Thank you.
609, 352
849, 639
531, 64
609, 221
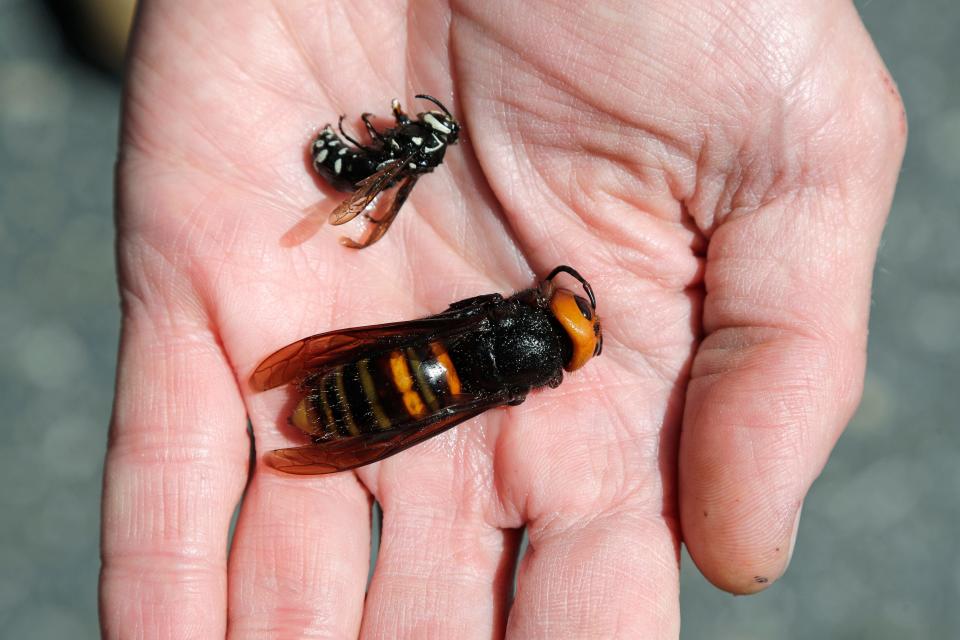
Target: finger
443, 571
300, 555
780, 371
611, 576
599, 503
175, 468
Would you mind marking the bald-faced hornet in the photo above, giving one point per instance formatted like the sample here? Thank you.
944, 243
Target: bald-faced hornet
395, 157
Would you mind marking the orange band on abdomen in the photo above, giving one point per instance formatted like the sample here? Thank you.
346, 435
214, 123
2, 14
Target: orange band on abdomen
402, 379
443, 357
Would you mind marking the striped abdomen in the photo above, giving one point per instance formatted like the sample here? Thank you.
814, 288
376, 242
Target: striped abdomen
382, 392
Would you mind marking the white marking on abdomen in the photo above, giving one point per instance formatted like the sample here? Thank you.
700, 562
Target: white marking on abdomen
336, 166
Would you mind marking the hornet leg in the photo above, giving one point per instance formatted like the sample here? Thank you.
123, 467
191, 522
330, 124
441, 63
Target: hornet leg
372, 130
398, 113
347, 135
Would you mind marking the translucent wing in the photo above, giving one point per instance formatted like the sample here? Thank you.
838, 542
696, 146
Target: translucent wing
377, 227
345, 345
368, 189
348, 453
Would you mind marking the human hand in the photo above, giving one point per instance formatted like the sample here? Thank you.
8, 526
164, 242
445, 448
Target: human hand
719, 171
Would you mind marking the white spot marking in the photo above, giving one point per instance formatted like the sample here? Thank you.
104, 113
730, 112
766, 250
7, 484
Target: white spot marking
321, 156
342, 151
336, 166
412, 165
436, 124
417, 141
396, 145
433, 148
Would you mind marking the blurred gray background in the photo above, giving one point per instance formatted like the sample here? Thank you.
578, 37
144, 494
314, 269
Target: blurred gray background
877, 555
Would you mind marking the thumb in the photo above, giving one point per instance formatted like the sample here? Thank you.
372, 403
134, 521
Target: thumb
780, 371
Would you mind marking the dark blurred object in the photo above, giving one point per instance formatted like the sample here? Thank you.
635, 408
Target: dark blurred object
97, 29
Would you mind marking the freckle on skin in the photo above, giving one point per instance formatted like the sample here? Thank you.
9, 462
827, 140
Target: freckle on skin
761, 579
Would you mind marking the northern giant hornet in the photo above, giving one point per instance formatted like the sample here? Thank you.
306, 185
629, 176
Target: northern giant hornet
369, 392
395, 157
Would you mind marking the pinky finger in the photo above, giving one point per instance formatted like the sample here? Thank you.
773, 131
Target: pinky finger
175, 468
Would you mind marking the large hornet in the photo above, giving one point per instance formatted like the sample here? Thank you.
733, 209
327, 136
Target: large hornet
369, 392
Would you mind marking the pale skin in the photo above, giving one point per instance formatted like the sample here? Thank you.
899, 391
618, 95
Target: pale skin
720, 171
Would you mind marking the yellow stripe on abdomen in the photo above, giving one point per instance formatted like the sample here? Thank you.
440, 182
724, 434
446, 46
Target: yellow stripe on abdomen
327, 411
370, 390
345, 404
423, 384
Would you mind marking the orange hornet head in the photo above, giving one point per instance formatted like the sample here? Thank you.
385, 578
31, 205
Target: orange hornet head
577, 316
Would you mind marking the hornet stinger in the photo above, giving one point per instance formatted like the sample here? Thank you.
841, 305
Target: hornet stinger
366, 393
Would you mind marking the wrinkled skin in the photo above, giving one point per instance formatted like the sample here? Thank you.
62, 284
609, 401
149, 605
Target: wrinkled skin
720, 171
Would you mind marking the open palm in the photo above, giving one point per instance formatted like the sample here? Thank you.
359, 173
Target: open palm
719, 171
